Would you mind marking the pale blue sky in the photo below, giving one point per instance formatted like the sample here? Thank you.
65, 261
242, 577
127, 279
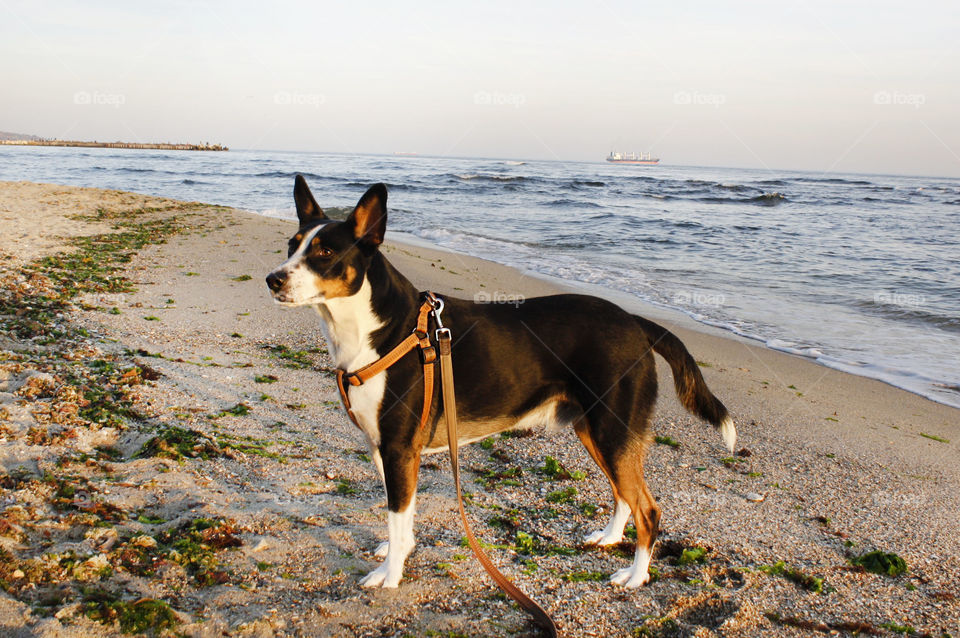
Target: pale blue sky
850, 86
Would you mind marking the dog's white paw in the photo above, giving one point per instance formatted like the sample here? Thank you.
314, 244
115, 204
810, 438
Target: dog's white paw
630, 577
602, 537
613, 532
638, 574
382, 549
382, 576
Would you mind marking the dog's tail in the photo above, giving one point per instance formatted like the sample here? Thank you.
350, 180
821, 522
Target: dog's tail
692, 390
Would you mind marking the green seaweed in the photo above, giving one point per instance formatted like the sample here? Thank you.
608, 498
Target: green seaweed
584, 576
692, 556
136, 617
240, 409
808, 582
555, 471
562, 496
898, 628
667, 440
883, 563
494, 478
344, 487
177, 443
296, 359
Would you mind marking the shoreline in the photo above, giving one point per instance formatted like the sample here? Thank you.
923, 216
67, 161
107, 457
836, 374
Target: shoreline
872, 331
672, 317
272, 463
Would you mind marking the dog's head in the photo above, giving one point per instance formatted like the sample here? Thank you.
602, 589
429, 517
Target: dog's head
328, 259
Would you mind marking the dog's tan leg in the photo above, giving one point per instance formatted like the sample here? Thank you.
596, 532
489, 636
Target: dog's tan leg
613, 532
646, 516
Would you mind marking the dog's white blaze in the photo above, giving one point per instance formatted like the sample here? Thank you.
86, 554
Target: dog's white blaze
299, 289
348, 324
729, 433
303, 247
401, 543
613, 532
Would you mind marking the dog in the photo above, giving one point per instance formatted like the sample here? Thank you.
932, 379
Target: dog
559, 360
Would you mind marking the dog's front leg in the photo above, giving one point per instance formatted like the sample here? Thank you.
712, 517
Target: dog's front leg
400, 479
384, 547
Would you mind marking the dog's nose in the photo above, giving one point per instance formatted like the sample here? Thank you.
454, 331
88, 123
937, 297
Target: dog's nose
275, 280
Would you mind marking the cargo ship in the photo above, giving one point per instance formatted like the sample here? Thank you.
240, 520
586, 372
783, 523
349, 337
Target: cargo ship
632, 158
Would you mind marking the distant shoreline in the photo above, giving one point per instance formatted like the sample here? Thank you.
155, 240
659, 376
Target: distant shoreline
132, 145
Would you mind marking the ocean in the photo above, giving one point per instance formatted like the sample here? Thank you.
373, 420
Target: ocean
857, 272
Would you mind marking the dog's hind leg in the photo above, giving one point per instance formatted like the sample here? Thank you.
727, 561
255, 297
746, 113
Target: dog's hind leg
401, 483
646, 516
613, 532
619, 448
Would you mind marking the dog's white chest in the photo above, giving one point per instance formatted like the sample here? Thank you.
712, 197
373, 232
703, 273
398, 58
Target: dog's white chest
365, 401
348, 324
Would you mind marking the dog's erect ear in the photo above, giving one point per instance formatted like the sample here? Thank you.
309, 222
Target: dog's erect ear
369, 218
307, 207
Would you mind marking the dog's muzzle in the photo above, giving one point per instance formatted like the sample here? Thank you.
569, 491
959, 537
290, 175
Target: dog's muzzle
276, 279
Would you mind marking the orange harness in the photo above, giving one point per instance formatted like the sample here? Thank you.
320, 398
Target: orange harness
428, 354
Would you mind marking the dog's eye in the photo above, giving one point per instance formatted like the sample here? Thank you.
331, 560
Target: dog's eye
322, 252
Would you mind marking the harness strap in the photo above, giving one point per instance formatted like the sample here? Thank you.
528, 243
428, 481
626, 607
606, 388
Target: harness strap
428, 354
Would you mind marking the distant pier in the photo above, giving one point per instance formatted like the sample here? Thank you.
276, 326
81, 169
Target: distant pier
160, 147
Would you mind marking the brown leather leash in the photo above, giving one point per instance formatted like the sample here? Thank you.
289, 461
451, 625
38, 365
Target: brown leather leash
421, 338
540, 616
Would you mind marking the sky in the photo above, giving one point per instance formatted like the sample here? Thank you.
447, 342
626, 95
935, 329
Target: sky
870, 87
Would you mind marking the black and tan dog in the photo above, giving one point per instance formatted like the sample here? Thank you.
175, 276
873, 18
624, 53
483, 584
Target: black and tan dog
563, 359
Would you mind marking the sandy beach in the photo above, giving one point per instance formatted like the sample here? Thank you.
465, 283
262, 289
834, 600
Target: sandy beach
174, 457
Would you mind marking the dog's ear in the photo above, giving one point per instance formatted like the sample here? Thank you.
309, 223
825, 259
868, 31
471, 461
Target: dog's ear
369, 218
307, 207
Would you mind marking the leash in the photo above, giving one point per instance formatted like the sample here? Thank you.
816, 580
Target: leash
420, 338
540, 616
